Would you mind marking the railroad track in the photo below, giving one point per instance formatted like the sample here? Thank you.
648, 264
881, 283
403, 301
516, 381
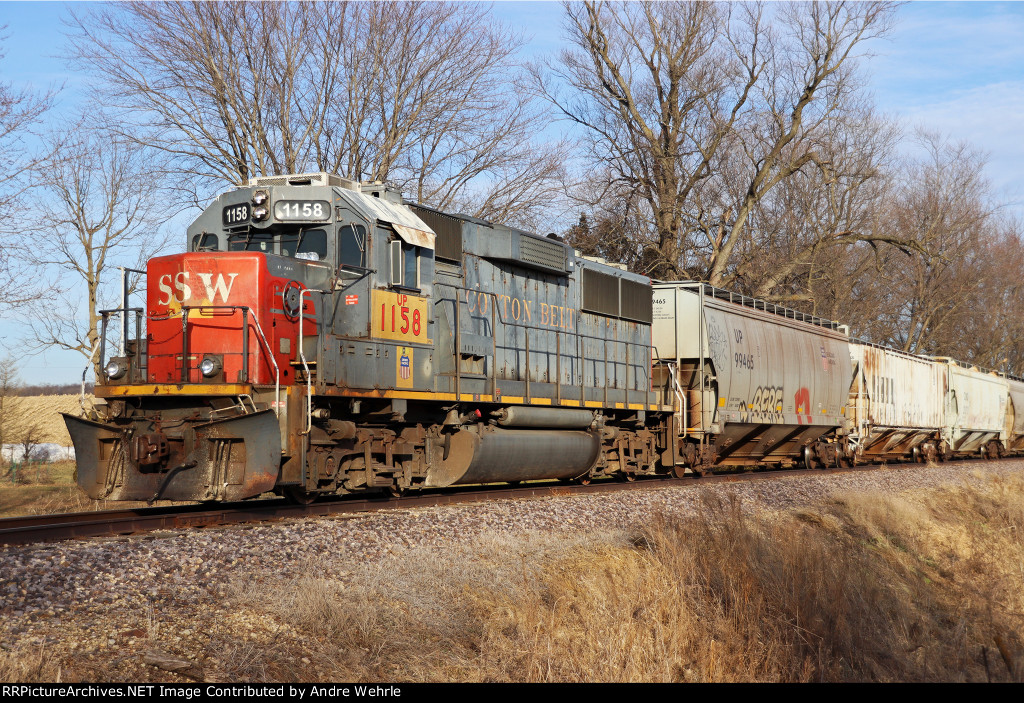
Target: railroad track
110, 523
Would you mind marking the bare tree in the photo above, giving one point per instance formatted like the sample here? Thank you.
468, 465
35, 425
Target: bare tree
796, 232
11, 410
944, 203
99, 207
990, 329
29, 437
414, 93
705, 109
20, 112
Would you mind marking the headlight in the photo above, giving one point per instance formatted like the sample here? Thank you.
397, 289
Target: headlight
260, 197
210, 366
116, 368
259, 214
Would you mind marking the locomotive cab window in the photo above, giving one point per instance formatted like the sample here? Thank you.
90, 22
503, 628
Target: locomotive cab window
252, 241
309, 244
205, 242
405, 265
352, 247
297, 243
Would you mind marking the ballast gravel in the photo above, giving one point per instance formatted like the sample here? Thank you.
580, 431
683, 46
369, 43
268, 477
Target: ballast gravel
157, 607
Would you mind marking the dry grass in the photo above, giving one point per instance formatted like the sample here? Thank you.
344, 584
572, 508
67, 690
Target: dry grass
925, 587
28, 665
42, 489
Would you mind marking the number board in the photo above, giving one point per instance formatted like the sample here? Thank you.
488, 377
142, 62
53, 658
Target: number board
399, 316
302, 211
236, 214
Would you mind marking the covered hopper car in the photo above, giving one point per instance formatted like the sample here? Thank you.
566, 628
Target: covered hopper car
323, 336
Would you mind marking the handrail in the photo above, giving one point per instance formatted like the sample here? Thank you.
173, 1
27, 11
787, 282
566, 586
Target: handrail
680, 397
102, 341
559, 332
245, 343
245, 309
81, 397
302, 357
708, 290
277, 369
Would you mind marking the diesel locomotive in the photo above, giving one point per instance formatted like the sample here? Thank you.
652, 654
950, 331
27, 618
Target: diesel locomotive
324, 336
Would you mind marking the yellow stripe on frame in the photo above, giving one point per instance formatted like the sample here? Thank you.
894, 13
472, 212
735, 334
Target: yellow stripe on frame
172, 389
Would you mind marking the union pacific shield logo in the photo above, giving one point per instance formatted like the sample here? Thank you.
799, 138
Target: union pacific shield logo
403, 367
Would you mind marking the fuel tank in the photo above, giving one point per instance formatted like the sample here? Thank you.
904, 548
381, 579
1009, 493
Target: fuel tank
486, 454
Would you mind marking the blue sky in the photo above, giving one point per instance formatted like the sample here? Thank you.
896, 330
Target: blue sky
955, 67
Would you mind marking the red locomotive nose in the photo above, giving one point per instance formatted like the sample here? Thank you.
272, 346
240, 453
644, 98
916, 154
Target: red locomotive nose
218, 317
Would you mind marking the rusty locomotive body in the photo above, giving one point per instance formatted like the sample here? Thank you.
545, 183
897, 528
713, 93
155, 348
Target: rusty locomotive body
325, 336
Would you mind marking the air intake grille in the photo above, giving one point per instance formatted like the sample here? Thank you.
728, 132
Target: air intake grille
600, 293
448, 230
316, 179
542, 252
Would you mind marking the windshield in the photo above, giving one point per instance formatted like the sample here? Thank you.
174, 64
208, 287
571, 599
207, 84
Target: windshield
296, 242
308, 244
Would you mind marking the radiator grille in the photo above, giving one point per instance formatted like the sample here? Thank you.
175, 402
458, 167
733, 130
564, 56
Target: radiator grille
637, 301
617, 297
600, 293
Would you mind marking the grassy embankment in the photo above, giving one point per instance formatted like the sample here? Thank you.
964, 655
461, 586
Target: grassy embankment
922, 586
867, 587
41, 488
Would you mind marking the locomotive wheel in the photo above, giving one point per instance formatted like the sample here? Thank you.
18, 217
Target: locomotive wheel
808, 458
846, 459
297, 495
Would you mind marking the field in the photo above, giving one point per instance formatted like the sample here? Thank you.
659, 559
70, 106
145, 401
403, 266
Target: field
44, 488
37, 488
31, 488
44, 412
